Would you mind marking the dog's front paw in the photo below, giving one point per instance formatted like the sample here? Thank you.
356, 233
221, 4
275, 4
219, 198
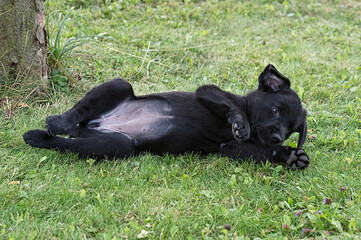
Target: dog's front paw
57, 124
240, 130
37, 138
297, 159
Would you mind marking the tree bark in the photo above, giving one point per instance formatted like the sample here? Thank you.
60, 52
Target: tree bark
23, 44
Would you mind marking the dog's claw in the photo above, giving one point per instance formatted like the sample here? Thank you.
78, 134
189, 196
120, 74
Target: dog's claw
237, 134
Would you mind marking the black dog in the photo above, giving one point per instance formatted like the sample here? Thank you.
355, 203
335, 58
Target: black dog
111, 121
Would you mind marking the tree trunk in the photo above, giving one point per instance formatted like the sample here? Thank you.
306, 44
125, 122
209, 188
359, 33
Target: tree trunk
23, 45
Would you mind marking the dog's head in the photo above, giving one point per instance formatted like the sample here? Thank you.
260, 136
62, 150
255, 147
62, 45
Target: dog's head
275, 110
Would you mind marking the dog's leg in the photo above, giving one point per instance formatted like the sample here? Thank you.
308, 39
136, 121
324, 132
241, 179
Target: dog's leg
97, 101
111, 145
295, 158
227, 106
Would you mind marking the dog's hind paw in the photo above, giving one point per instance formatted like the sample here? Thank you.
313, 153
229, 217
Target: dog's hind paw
57, 124
37, 138
297, 159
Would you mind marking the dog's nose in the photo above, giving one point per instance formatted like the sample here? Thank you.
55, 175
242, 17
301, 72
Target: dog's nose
276, 138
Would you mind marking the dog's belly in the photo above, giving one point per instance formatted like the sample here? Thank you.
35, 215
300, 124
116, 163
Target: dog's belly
147, 120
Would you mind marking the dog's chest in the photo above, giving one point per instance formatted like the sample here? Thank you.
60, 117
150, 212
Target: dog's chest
138, 119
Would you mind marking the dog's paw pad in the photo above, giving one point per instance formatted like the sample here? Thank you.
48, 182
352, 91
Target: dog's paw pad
298, 159
300, 152
241, 131
291, 159
294, 166
301, 164
304, 158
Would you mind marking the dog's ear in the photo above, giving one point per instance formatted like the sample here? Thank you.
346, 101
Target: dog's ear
214, 99
272, 80
302, 129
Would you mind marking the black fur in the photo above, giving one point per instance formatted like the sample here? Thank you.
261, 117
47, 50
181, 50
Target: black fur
111, 121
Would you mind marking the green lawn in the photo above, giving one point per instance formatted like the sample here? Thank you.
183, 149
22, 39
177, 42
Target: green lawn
175, 45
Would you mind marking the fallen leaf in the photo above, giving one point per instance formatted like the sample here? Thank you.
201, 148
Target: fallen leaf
14, 183
22, 105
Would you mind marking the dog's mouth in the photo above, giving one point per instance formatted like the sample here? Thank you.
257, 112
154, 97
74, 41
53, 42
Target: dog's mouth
265, 137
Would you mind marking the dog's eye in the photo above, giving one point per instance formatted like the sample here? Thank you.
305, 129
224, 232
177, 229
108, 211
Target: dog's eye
274, 110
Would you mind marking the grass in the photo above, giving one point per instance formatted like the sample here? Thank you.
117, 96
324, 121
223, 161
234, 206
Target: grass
174, 45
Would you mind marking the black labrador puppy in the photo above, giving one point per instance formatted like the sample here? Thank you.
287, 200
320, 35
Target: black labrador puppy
111, 121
